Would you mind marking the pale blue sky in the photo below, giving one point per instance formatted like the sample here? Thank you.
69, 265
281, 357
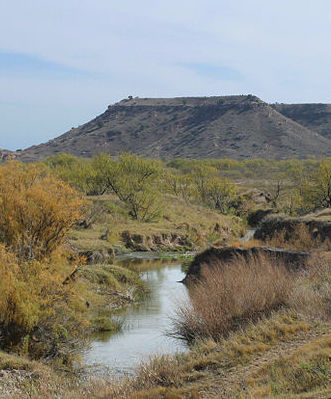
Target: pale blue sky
62, 62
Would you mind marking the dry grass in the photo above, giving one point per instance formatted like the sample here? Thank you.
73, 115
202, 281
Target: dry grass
185, 375
323, 214
160, 371
308, 370
300, 239
165, 377
311, 295
230, 295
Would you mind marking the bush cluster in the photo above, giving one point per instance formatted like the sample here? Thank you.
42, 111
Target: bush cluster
141, 184
291, 186
38, 312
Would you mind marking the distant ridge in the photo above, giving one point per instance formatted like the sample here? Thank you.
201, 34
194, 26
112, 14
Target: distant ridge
316, 117
6, 154
238, 127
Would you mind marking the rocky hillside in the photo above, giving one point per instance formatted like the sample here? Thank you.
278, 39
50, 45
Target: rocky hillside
5, 155
316, 117
195, 127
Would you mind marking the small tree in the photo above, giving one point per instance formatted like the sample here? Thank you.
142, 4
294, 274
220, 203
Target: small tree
276, 190
200, 176
316, 188
79, 173
134, 180
179, 185
220, 193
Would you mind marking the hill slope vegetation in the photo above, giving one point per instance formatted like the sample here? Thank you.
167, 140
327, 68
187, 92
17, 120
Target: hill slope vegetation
316, 117
237, 127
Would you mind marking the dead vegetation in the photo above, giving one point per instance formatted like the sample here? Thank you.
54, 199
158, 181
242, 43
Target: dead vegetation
311, 294
301, 238
228, 296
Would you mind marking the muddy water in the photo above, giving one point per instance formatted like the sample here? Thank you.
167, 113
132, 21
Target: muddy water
144, 326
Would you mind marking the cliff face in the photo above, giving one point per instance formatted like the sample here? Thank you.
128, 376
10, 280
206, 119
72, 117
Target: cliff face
195, 127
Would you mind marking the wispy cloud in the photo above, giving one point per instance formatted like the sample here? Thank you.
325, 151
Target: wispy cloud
26, 65
62, 62
213, 71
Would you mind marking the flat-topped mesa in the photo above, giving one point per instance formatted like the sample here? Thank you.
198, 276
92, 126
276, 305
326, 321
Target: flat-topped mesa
219, 105
237, 127
188, 101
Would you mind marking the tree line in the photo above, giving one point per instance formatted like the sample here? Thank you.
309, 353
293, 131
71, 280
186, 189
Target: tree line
292, 186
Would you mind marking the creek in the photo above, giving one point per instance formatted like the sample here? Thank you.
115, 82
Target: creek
144, 326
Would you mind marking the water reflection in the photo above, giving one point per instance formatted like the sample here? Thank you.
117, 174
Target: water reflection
144, 261
144, 325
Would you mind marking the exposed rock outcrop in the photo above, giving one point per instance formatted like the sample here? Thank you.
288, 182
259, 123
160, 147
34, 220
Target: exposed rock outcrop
6, 155
155, 242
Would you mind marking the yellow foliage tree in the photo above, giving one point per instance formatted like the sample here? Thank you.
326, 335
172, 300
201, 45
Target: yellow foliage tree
36, 210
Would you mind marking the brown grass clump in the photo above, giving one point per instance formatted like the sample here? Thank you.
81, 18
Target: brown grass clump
230, 295
311, 294
159, 371
300, 238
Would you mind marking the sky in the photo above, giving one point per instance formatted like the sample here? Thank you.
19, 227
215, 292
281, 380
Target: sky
62, 62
